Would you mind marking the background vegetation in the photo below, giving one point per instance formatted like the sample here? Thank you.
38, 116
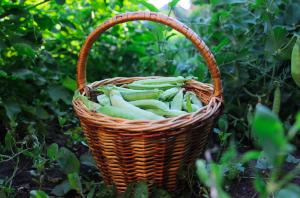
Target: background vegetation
42, 148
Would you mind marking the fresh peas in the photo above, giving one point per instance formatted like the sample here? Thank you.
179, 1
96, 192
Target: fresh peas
295, 62
176, 103
162, 80
118, 101
118, 112
103, 100
150, 86
150, 104
150, 99
169, 94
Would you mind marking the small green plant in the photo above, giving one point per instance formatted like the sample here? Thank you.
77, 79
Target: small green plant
276, 145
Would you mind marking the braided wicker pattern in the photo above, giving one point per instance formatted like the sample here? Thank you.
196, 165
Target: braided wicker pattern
127, 151
132, 150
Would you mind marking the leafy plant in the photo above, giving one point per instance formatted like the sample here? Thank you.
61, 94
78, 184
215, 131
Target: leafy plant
269, 133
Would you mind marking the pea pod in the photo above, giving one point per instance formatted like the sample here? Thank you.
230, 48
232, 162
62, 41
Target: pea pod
161, 80
90, 105
131, 94
150, 104
169, 113
141, 94
167, 104
150, 86
107, 88
194, 99
169, 94
118, 101
277, 99
176, 103
103, 100
295, 62
118, 112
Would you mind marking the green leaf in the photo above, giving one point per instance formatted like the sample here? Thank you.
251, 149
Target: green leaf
269, 132
291, 191
223, 123
202, 172
52, 151
141, 190
62, 188
150, 6
3, 74
173, 3
60, 2
24, 74
250, 155
260, 185
38, 194
59, 93
160, 193
87, 159
68, 161
12, 109
9, 141
263, 162
291, 159
75, 182
223, 2
24, 49
44, 21
69, 83
129, 191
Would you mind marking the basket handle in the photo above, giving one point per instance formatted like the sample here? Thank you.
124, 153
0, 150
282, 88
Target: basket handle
150, 16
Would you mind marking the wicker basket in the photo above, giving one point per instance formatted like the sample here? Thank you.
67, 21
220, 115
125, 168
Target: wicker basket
131, 150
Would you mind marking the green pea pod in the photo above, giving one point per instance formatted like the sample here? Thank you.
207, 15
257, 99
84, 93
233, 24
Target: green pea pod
118, 112
103, 100
141, 94
169, 113
195, 100
176, 103
162, 80
150, 104
90, 105
295, 62
169, 94
150, 86
277, 99
131, 94
118, 101
107, 88
167, 104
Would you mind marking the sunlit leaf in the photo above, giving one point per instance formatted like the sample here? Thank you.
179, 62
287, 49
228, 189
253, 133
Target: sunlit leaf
69, 83
52, 151
269, 132
75, 182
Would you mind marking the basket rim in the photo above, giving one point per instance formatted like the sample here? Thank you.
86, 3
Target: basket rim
98, 119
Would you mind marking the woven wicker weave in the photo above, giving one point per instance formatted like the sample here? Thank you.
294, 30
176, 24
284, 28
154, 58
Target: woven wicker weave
131, 150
